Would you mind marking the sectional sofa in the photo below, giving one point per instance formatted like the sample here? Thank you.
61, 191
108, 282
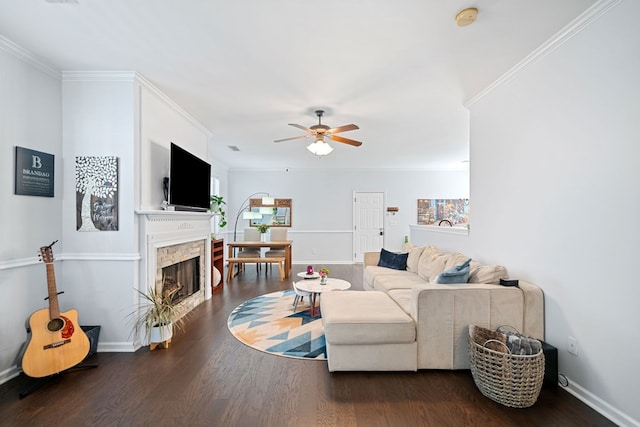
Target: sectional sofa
406, 320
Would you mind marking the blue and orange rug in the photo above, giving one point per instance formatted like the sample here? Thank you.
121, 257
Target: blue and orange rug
268, 323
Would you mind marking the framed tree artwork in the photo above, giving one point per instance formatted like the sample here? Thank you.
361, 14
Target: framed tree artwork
96, 193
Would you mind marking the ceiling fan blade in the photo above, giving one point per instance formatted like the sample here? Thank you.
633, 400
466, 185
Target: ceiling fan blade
345, 140
343, 128
293, 137
301, 127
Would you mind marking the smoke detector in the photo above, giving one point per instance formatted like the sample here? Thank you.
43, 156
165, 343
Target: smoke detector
467, 16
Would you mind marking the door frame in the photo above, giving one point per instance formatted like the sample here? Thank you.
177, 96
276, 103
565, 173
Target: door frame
355, 220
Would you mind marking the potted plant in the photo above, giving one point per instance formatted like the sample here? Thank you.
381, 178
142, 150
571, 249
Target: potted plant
263, 228
157, 313
324, 272
215, 207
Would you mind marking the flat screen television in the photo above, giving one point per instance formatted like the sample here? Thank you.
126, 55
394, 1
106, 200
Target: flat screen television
189, 181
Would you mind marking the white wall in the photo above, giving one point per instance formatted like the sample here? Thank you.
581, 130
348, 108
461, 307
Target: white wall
30, 116
163, 123
80, 114
220, 170
554, 194
100, 268
322, 202
118, 114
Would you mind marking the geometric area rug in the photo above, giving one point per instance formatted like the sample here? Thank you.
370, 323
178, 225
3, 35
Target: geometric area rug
268, 323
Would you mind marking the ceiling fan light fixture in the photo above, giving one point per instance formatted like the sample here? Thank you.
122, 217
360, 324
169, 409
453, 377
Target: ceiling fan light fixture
319, 147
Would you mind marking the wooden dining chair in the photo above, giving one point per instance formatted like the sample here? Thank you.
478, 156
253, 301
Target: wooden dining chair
278, 234
250, 235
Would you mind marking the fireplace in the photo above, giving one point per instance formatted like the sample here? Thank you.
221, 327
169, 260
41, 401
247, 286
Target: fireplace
180, 271
177, 244
181, 280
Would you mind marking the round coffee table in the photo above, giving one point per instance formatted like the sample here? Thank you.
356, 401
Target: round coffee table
314, 287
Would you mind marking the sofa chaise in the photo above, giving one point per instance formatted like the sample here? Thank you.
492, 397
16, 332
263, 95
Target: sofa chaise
405, 320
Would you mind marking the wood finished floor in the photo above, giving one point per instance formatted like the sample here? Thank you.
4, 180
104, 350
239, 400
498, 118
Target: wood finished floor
208, 378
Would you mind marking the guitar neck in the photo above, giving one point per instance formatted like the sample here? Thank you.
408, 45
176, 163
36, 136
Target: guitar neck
54, 309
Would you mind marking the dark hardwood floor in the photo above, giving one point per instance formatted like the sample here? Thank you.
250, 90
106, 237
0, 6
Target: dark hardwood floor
208, 378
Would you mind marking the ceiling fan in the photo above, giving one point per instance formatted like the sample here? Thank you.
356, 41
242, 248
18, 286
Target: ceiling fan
318, 132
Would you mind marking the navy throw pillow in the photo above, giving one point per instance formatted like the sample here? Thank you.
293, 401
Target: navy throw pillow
457, 274
393, 260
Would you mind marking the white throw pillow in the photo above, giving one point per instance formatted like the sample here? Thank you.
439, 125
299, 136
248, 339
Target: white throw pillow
414, 258
407, 247
432, 262
490, 274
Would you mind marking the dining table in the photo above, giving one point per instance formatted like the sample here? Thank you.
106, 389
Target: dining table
273, 244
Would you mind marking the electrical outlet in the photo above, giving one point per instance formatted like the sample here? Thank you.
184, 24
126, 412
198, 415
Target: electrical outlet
313, 251
572, 345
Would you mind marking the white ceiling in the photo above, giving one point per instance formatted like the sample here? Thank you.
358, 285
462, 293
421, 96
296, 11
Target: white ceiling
401, 70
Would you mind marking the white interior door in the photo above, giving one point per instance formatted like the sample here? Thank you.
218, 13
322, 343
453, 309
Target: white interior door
368, 224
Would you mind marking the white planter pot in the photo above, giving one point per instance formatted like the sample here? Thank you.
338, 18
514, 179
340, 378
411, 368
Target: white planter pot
161, 333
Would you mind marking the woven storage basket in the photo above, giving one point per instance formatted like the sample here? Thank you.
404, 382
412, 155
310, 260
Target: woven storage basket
509, 379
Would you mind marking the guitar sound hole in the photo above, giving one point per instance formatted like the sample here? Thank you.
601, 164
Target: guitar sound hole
55, 325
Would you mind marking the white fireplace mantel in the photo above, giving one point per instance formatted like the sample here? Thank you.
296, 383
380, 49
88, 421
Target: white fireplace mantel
159, 215
166, 228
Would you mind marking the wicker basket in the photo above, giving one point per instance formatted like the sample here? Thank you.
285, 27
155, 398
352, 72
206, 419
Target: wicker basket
509, 379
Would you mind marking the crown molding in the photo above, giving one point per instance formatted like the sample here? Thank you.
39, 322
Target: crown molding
349, 169
567, 33
24, 55
99, 76
152, 88
134, 77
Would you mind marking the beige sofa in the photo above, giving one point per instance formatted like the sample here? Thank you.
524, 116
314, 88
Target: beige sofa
413, 322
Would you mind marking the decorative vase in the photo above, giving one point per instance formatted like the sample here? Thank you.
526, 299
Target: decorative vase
217, 276
263, 237
323, 279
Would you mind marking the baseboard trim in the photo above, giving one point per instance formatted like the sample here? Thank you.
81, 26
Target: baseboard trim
109, 347
599, 405
9, 374
116, 347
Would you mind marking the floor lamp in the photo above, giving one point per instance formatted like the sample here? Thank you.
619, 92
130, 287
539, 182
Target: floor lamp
246, 213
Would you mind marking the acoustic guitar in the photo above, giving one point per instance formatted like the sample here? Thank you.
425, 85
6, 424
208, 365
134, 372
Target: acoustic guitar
56, 340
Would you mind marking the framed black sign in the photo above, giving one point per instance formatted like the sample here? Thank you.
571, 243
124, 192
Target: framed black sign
34, 173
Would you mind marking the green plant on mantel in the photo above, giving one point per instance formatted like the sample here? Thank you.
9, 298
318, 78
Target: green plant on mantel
215, 207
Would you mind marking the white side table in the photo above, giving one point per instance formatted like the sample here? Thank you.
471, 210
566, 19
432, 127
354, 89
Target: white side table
315, 288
